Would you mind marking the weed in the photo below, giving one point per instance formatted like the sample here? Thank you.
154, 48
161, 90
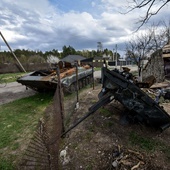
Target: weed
145, 143
89, 167
108, 123
88, 135
6, 165
91, 128
15, 146
166, 150
105, 112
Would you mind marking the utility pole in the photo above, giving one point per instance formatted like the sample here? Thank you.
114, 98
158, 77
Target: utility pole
116, 55
12, 52
168, 34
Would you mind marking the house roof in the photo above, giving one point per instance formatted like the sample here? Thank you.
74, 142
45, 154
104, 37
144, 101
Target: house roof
72, 58
98, 58
87, 60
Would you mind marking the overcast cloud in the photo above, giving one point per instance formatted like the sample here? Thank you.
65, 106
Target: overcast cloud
51, 24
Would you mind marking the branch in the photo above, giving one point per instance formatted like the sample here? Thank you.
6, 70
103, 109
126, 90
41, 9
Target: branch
149, 4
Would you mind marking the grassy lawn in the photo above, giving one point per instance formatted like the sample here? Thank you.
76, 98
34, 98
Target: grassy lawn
97, 68
10, 77
18, 121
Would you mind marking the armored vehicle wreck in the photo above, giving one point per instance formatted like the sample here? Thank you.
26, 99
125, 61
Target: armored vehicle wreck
46, 80
140, 108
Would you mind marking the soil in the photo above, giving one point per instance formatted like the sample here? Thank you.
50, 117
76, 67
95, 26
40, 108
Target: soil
104, 141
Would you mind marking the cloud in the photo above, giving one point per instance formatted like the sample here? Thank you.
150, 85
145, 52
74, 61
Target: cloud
47, 24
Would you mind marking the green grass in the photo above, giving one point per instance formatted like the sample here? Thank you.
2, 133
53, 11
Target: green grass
105, 112
147, 144
18, 120
97, 68
10, 77
6, 165
166, 150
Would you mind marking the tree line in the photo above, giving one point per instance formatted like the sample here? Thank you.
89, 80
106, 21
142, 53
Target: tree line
30, 56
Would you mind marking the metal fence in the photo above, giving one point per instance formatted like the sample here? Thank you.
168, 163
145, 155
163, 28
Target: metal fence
43, 150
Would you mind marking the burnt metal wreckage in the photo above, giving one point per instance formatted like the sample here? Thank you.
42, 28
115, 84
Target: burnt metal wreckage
141, 108
116, 85
47, 80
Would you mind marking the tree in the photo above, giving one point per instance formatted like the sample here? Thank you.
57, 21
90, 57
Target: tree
152, 8
68, 51
142, 45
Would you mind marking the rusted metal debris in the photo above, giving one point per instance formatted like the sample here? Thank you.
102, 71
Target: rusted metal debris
46, 80
140, 107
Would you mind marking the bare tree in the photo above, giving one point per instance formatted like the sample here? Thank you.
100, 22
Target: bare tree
137, 50
152, 8
142, 45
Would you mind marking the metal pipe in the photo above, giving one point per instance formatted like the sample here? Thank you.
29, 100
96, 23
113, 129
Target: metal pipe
104, 100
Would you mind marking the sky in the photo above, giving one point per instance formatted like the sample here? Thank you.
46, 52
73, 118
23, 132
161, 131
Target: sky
50, 24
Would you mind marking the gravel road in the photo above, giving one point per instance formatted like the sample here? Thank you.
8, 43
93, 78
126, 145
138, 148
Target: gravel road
13, 91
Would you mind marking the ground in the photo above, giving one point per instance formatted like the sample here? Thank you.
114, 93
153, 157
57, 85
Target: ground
103, 141
13, 91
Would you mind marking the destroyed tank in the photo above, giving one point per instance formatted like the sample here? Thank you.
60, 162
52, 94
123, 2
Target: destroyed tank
47, 80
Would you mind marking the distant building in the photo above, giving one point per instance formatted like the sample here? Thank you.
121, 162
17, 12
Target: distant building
72, 58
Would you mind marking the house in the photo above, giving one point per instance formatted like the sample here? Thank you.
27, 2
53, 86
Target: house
72, 58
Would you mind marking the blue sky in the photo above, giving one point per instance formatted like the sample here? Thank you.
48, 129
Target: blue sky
76, 5
51, 24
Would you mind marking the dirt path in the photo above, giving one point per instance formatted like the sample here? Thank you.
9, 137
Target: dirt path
14, 91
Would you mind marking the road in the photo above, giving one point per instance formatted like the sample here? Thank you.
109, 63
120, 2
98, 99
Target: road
13, 91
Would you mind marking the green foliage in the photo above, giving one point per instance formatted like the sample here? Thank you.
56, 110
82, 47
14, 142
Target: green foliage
149, 144
6, 164
37, 56
9, 77
68, 51
36, 59
105, 112
18, 121
145, 143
